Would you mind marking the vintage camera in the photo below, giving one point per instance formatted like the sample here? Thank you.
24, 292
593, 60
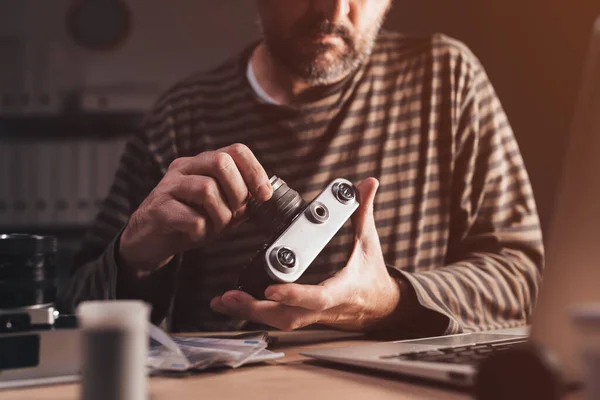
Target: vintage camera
27, 282
298, 231
37, 344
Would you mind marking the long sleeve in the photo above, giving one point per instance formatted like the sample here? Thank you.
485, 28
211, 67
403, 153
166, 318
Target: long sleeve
494, 260
96, 274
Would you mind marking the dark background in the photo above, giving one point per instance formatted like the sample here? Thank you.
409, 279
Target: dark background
533, 52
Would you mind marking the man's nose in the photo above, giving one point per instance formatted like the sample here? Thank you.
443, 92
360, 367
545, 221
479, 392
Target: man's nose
333, 10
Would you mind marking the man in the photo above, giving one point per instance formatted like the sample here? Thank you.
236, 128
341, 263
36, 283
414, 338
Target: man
450, 243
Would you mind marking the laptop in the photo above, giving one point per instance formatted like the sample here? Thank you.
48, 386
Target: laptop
572, 273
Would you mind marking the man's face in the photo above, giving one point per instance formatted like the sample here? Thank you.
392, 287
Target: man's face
321, 41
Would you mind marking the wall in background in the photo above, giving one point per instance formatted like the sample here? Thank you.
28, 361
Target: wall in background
175, 38
170, 39
532, 50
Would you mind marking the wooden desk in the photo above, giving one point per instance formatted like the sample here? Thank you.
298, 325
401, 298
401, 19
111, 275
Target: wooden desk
292, 377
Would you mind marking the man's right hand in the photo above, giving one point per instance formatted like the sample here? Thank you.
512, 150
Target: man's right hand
198, 199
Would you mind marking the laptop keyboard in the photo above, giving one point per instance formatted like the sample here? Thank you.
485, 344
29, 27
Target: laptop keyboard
470, 355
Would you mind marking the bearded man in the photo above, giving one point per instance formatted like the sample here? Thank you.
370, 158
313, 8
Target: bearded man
446, 238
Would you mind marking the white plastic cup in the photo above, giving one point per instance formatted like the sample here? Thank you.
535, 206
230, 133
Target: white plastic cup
586, 319
114, 349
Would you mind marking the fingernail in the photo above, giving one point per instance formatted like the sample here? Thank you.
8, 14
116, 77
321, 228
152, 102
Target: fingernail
214, 304
230, 300
265, 192
275, 297
237, 215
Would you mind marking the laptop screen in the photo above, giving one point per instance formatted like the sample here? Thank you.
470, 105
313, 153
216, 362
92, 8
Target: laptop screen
572, 273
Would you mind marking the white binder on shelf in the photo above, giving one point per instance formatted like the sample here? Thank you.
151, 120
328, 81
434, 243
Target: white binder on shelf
46, 68
11, 183
19, 184
118, 145
102, 154
53, 183
5, 189
64, 184
94, 167
28, 99
44, 96
45, 197
12, 72
72, 194
32, 181
120, 97
105, 167
84, 182
53, 174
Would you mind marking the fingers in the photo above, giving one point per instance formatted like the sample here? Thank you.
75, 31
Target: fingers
183, 218
242, 306
236, 170
222, 168
362, 220
254, 174
204, 192
310, 297
220, 182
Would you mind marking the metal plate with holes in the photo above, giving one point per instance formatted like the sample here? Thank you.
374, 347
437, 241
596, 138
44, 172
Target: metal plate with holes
311, 231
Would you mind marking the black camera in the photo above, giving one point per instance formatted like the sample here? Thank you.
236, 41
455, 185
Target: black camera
298, 231
35, 341
27, 282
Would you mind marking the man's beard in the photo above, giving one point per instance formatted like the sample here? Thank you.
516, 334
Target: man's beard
325, 63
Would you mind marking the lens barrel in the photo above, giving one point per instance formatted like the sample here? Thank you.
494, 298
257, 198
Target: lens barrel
27, 270
275, 215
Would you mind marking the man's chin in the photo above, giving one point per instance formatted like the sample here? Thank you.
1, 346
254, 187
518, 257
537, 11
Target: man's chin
323, 59
322, 74
321, 64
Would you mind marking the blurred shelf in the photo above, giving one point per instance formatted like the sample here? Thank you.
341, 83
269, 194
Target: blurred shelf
73, 125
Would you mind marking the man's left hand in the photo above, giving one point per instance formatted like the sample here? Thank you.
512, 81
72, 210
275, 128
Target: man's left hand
359, 297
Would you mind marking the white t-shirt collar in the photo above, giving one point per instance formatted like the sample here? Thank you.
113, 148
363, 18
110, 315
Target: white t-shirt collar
258, 90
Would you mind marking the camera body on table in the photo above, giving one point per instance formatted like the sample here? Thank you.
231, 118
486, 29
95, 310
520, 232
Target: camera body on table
37, 344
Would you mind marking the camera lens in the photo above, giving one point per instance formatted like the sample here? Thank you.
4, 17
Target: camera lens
27, 270
344, 192
274, 215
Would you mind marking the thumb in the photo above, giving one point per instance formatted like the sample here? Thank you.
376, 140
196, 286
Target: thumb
362, 219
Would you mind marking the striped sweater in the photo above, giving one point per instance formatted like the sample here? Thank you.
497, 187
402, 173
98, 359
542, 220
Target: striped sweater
455, 210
